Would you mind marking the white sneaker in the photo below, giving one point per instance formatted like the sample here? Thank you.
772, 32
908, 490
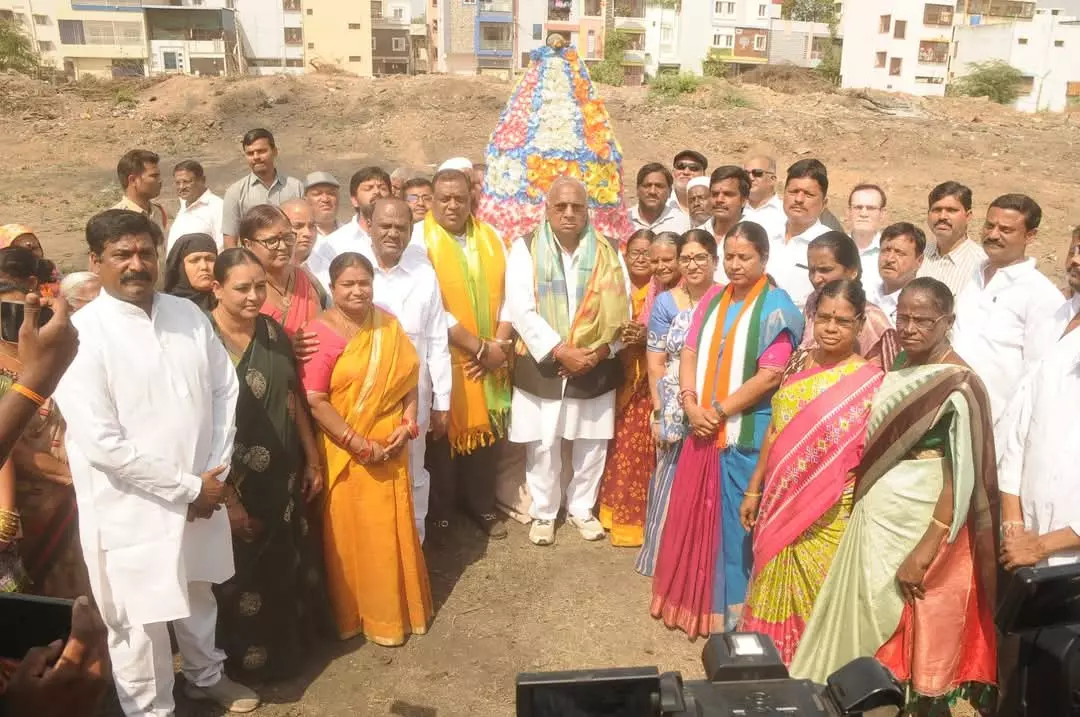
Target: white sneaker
230, 695
589, 527
542, 532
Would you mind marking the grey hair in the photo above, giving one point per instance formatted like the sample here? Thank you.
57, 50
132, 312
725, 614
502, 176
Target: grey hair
73, 282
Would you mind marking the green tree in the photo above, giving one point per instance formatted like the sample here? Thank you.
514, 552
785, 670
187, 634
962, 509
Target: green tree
995, 79
714, 64
810, 10
610, 71
17, 50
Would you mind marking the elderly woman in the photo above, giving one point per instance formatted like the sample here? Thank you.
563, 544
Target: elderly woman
189, 269
913, 580
80, 288
741, 338
362, 388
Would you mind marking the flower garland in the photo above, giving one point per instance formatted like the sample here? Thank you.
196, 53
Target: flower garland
554, 125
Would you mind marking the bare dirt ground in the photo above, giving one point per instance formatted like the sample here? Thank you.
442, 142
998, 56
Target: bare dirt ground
506, 607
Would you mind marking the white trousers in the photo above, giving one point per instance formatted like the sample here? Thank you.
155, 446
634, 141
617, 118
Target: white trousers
421, 480
543, 475
142, 660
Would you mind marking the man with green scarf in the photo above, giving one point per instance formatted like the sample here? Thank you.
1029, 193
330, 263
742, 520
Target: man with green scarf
567, 297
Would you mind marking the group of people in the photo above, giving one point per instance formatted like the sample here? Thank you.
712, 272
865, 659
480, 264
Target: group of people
832, 437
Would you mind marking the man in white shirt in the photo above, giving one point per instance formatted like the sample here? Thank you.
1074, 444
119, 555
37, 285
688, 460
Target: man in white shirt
1037, 465
902, 247
729, 189
321, 191
469, 259
805, 197
200, 208
653, 212
699, 201
1067, 317
366, 185
150, 403
686, 165
409, 290
763, 206
951, 258
564, 385
866, 218
998, 312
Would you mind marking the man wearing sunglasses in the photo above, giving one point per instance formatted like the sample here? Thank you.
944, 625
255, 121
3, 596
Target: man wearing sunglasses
763, 206
686, 165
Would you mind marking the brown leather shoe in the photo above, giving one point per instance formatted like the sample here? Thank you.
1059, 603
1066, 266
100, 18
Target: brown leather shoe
490, 525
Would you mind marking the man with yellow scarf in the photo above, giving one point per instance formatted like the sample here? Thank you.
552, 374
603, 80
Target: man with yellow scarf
567, 298
470, 263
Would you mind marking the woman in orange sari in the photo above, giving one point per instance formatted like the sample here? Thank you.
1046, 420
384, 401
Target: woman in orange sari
631, 457
293, 298
362, 388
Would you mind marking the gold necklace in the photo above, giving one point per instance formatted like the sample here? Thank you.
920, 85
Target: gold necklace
285, 294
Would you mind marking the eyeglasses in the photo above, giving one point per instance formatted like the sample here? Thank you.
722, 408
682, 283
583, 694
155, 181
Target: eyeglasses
635, 255
699, 259
843, 322
759, 173
922, 323
276, 241
865, 208
688, 166
418, 197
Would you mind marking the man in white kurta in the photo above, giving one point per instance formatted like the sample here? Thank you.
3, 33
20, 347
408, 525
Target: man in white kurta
407, 288
544, 423
150, 405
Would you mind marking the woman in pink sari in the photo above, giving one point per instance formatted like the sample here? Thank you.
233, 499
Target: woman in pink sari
293, 298
800, 495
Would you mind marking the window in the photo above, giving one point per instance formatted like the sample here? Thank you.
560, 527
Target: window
294, 36
538, 32
928, 80
721, 40
724, 8
1026, 85
374, 43
398, 44
590, 44
1072, 89
933, 53
900, 29
45, 46
937, 14
100, 32
291, 5
399, 13
311, 46
310, 11
168, 60
895, 65
41, 19
1023, 40
1059, 43
880, 59
885, 24
71, 32
818, 46
667, 35
355, 58
760, 43
376, 8
355, 26
593, 8
294, 63
762, 10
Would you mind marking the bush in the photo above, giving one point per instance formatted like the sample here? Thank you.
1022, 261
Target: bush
995, 79
728, 98
610, 71
17, 50
670, 87
714, 65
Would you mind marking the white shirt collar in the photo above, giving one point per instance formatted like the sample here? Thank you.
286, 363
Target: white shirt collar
203, 200
126, 308
1011, 273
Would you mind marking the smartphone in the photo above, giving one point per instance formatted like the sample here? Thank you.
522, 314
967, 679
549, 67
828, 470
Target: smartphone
28, 621
12, 314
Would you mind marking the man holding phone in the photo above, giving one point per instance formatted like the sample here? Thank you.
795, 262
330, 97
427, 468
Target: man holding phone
150, 403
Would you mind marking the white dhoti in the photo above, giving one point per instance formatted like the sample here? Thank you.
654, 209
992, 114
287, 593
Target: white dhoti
543, 425
142, 659
421, 479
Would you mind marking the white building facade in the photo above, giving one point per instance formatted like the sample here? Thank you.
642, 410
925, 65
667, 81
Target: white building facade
271, 34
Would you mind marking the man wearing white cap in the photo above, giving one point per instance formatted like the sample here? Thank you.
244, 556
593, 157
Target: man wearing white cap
321, 191
699, 201
461, 164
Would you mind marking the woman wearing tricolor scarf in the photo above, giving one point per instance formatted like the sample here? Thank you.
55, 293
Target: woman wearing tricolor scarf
741, 338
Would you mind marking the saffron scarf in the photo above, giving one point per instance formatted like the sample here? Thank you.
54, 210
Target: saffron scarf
471, 279
602, 303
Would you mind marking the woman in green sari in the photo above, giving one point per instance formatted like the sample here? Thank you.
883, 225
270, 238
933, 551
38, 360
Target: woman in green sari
913, 581
274, 604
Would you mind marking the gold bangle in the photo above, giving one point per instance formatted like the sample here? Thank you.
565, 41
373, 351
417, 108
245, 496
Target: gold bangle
752, 495
939, 524
35, 397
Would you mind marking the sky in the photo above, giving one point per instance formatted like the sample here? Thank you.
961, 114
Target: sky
418, 7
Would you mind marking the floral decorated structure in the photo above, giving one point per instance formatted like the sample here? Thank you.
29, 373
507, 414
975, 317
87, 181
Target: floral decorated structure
554, 124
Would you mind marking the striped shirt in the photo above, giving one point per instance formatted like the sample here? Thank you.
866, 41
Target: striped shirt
954, 269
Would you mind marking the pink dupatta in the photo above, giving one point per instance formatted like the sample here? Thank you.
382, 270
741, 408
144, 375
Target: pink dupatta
305, 305
820, 416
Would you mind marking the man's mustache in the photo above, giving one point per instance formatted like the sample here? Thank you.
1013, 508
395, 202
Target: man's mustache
130, 276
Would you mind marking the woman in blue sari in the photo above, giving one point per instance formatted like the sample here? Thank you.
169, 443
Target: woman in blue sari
740, 340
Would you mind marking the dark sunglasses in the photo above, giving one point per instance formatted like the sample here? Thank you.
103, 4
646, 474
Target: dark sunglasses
688, 166
758, 173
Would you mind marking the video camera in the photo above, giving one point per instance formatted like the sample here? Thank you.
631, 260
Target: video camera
745, 676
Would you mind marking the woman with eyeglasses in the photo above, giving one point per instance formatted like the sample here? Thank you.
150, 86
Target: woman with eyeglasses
832, 256
689, 259
799, 498
632, 455
739, 342
293, 298
913, 581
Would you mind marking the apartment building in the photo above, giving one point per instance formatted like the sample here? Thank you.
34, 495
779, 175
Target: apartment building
38, 21
1044, 48
194, 37
468, 37
798, 42
339, 34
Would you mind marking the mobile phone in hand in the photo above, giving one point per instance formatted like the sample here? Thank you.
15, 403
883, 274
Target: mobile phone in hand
28, 621
12, 314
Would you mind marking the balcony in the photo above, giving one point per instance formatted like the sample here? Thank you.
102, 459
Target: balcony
494, 39
561, 11
499, 6
630, 9
933, 52
1000, 8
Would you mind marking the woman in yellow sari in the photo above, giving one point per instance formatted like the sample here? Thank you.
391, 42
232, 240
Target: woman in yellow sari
362, 387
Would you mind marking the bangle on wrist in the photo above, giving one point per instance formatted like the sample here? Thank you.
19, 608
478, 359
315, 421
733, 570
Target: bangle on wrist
482, 351
939, 524
28, 393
